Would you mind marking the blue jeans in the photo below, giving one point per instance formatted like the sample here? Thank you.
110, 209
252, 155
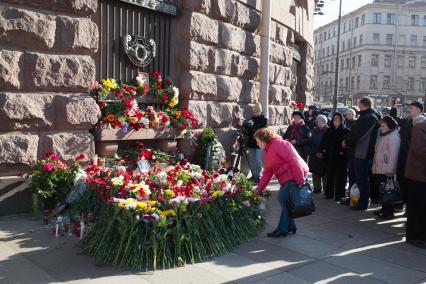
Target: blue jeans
256, 162
286, 223
360, 173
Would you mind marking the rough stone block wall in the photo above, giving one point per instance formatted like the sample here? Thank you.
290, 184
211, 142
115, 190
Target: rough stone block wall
217, 63
46, 68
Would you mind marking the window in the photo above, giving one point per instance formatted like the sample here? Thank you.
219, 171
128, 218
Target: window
423, 84
316, 40
334, 31
354, 42
390, 19
359, 60
377, 18
353, 61
424, 40
401, 60
386, 82
328, 50
363, 20
389, 39
346, 83
329, 34
320, 37
388, 60
412, 62
348, 64
326, 86
376, 38
352, 83
344, 27
343, 46
349, 44
423, 62
332, 49
410, 83
414, 20
399, 82
326, 67
342, 64
402, 39
413, 40
356, 22
341, 83
358, 81
373, 82
323, 52
360, 39
325, 35
375, 60
424, 20
331, 66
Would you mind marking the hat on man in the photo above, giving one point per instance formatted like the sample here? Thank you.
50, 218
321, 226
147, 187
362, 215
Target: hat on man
417, 104
257, 108
321, 118
386, 110
299, 113
349, 110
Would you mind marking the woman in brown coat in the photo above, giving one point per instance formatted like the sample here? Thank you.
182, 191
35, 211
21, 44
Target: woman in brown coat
415, 171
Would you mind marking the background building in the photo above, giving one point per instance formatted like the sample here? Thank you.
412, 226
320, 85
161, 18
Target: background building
51, 52
382, 54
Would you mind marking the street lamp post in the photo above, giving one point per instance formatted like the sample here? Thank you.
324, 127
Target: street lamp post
336, 75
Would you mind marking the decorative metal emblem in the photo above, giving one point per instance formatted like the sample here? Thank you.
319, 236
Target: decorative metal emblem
162, 6
139, 50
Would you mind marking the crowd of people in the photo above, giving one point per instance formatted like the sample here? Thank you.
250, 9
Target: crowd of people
362, 147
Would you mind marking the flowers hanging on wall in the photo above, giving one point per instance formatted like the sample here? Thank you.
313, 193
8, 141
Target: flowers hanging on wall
120, 108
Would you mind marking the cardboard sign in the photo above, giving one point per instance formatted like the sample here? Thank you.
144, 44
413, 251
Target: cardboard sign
143, 166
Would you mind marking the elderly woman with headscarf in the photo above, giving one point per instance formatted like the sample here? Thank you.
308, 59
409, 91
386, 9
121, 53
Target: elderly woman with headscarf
298, 134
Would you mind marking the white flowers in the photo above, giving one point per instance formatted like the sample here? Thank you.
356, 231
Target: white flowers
175, 92
118, 181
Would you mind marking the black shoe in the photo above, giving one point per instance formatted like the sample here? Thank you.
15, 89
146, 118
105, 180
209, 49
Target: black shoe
293, 231
405, 214
345, 201
386, 216
276, 234
418, 243
378, 212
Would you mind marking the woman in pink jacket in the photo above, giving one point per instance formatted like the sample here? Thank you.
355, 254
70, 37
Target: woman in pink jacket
283, 161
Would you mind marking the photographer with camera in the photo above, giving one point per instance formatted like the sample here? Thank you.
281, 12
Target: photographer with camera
257, 121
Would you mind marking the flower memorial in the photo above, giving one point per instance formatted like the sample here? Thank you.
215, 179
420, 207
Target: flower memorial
167, 218
120, 109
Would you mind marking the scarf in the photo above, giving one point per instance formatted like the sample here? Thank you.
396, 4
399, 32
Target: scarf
296, 132
386, 133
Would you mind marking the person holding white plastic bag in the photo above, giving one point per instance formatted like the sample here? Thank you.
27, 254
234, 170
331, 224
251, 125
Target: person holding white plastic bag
385, 161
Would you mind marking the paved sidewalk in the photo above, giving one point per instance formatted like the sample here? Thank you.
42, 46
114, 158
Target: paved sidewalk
335, 245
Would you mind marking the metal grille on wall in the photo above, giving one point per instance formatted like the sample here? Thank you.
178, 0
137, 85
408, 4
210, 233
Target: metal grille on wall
116, 19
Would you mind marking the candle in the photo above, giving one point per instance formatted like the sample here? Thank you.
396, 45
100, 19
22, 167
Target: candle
81, 229
95, 160
57, 230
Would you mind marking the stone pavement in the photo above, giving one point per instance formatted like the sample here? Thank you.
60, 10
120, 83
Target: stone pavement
335, 245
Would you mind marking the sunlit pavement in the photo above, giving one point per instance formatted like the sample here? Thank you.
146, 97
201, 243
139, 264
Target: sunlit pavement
335, 245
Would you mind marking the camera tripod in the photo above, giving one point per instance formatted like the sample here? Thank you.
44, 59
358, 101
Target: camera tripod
242, 151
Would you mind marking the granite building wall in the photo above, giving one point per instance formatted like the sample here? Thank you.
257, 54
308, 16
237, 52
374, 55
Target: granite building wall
46, 68
217, 60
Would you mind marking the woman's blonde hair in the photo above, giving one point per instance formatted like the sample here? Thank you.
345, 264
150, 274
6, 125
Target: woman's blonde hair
265, 135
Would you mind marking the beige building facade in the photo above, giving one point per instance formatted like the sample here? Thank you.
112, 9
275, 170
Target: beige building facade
382, 54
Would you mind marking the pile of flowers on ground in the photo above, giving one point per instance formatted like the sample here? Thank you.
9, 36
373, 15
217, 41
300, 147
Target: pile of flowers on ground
167, 217
120, 109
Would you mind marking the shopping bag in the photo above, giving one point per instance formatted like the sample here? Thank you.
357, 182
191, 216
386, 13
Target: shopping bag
390, 192
354, 195
300, 202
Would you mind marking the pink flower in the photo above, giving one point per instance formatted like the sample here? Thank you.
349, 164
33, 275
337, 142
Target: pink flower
246, 203
47, 167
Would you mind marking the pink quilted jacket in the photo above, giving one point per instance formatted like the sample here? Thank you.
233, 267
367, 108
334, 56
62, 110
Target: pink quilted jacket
282, 160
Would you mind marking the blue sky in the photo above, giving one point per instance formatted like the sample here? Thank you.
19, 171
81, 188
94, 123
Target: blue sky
331, 10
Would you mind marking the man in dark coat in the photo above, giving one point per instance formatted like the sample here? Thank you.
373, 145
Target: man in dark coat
316, 161
360, 144
257, 121
415, 172
414, 110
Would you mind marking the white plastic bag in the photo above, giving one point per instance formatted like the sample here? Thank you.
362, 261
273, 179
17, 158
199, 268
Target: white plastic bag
354, 194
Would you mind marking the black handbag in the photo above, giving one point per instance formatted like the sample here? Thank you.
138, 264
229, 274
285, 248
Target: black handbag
390, 192
300, 202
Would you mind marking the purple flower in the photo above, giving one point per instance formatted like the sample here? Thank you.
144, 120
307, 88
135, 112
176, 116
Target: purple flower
125, 127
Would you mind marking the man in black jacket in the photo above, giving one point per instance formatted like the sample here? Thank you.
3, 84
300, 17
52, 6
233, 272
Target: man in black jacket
360, 144
257, 121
